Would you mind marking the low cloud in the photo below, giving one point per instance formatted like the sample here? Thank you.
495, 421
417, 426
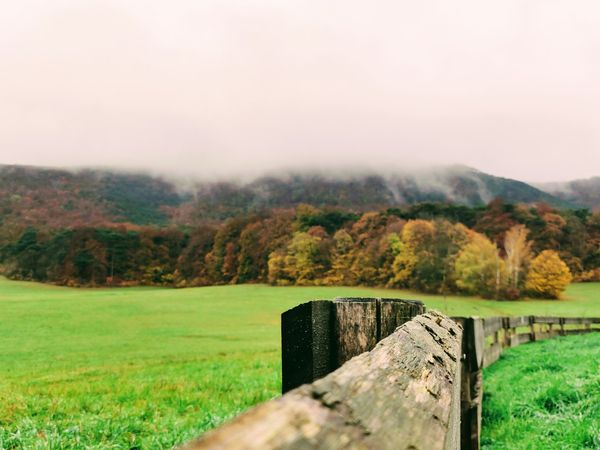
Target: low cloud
232, 88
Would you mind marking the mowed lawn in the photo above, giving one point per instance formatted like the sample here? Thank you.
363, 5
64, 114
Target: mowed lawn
151, 368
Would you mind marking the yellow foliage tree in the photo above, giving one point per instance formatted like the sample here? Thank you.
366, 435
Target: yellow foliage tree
479, 269
277, 273
548, 275
304, 261
416, 235
340, 273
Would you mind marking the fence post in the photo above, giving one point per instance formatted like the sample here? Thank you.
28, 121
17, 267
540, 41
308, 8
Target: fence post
471, 379
473, 344
319, 336
355, 328
532, 327
359, 323
306, 343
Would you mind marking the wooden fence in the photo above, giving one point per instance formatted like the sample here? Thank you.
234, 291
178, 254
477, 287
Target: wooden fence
484, 339
381, 374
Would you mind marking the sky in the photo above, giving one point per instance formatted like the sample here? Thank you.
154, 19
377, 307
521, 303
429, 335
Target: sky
231, 88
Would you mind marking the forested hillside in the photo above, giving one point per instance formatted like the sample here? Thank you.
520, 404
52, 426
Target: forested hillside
584, 193
435, 231
496, 250
53, 198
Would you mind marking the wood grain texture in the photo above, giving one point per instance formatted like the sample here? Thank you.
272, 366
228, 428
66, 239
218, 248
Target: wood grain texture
355, 327
402, 395
395, 312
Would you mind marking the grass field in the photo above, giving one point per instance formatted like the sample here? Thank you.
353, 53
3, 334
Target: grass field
544, 396
150, 367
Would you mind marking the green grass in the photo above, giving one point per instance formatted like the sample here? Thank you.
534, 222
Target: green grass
544, 395
152, 367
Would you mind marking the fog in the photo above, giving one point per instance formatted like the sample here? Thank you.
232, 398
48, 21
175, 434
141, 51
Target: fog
238, 88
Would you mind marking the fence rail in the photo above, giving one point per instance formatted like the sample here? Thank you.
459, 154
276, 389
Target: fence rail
403, 394
484, 340
381, 374
505, 333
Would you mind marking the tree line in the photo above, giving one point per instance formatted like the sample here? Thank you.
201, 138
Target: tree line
499, 251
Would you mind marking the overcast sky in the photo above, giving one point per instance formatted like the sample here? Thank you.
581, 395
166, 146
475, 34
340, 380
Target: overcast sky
510, 87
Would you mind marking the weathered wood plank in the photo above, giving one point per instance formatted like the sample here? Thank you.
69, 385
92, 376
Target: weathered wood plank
473, 345
355, 328
539, 336
545, 319
395, 312
359, 323
318, 337
576, 331
491, 325
521, 338
306, 343
404, 394
577, 320
491, 354
521, 321
478, 341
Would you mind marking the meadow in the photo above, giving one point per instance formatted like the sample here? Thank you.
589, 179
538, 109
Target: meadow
544, 396
153, 367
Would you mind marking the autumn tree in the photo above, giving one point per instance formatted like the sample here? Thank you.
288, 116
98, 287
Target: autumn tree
277, 273
479, 270
191, 267
307, 257
518, 254
448, 240
415, 240
259, 240
426, 253
340, 273
366, 233
250, 259
222, 260
548, 275
389, 246
496, 220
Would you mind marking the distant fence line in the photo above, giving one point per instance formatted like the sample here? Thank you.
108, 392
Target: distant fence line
381, 374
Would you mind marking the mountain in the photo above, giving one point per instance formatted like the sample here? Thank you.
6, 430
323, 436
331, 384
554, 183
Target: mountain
62, 198
455, 184
583, 193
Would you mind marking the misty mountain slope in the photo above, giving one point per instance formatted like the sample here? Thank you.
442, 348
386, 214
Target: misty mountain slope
456, 184
584, 193
463, 185
60, 198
